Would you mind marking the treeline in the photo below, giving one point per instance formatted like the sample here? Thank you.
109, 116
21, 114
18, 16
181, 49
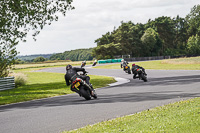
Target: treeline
74, 55
162, 36
30, 58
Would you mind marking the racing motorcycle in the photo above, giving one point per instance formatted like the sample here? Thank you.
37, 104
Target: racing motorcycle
94, 64
141, 75
83, 64
127, 69
85, 90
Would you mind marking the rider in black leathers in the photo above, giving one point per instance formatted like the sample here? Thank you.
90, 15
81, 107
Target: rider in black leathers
134, 70
72, 74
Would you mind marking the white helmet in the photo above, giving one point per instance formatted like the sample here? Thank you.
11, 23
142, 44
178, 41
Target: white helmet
122, 60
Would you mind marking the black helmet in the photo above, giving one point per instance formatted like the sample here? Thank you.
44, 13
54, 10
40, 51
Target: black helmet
68, 67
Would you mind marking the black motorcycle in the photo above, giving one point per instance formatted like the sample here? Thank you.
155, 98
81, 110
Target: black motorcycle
94, 64
85, 90
127, 69
141, 75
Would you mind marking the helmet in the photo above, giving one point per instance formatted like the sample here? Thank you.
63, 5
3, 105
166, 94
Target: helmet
68, 67
122, 60
133, 64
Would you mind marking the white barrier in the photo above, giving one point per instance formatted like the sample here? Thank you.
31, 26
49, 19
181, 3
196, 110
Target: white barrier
7, 83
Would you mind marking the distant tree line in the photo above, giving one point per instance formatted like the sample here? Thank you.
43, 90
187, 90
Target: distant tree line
74, 55
159, 37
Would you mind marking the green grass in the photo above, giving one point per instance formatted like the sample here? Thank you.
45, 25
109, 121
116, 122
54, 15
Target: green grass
47, 64
43, 85
180, 117
170, 64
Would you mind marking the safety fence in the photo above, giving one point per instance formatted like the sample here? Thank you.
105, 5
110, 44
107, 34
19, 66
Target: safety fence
134, 59
109, 61
140, 59
7, 83
147, 58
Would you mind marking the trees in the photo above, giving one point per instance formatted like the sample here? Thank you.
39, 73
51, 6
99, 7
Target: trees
6, 60
150, 38
193, 20
165, 28
107, 51
18, 17
74, 55
39, 59
162, 36
193, 45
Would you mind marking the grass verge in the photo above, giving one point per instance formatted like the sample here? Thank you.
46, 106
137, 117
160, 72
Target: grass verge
43, 85
179, 117
192, 63
49, 64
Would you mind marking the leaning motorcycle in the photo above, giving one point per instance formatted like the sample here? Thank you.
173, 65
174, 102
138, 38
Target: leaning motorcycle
94, 64
127, 69
141, 75
85, 90
83, 64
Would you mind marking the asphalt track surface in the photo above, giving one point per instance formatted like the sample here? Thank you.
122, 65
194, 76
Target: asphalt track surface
53, 115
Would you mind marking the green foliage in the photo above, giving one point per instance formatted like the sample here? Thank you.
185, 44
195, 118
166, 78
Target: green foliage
39, 59
193, 19
159, 37
107, 51
7, 54
150, 39
20, 79
74, 55
193, 45
18, 18
30, 58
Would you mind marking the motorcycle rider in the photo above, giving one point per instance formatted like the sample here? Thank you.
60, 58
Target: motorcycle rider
134, 70
94, 63
83, 63
72, 74
124, 63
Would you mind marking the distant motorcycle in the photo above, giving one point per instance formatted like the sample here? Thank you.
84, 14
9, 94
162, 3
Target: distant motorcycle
86, 90
94, 63
141, 75
127, 69
83, 64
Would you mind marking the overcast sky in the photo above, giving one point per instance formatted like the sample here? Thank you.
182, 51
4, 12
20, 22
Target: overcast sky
92, 18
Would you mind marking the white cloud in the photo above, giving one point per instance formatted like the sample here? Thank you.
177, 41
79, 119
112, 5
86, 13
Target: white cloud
92, 18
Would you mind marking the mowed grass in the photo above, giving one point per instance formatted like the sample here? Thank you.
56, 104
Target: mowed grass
179, 117
49, 64
43, 85
192, 63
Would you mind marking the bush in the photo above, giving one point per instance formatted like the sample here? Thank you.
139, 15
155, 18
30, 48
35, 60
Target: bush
20, 79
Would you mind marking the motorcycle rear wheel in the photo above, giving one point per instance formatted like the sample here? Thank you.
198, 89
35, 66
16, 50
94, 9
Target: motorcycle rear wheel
143, 78
85, 93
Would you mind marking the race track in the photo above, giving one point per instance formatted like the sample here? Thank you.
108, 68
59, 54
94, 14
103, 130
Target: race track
52, 115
